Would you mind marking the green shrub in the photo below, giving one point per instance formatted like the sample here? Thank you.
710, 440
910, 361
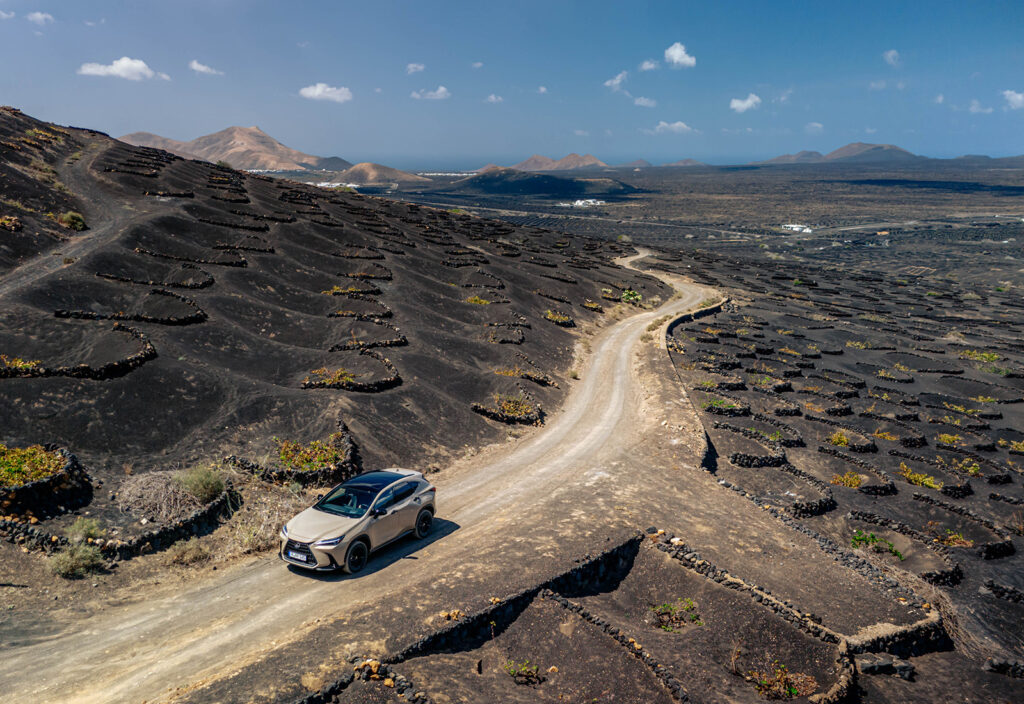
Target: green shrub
631, 296
71, 220
21, 465
76, 561
83, 529
203, 481
311, 457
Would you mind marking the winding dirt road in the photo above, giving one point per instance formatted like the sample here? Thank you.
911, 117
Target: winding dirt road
146, 651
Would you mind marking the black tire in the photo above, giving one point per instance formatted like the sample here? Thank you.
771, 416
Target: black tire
424, 522
356, 557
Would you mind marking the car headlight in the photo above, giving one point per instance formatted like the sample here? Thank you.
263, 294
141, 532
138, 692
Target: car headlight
284, 531
328, 542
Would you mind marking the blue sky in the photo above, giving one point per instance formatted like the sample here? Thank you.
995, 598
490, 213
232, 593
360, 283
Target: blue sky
730, 81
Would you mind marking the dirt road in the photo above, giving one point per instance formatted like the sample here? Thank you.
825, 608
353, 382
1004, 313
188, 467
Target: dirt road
144, 651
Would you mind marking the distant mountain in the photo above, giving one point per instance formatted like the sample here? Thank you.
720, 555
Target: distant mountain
506, 181
369, 174
862, 152
489, 167
637, 164
804, 157
686, 162
538, 162
247, 148
854, 153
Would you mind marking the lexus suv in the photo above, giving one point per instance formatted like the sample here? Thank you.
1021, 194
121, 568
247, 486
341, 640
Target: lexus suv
358, 517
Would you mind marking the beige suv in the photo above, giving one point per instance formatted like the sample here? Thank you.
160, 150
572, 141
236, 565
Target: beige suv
358, 517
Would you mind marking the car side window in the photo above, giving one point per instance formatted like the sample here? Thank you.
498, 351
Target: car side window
385, 500
403, 492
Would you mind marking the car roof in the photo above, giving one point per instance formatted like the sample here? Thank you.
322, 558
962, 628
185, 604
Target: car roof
378, 480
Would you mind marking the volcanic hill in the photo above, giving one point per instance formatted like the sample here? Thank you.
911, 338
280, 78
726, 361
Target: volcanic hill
248, 148
503, 181
538, 162
207, 312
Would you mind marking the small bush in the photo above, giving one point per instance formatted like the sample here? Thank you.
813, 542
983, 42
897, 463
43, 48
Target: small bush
632, 297
776, 682
980, 356
672, 616
707, 302
870, 540
850, 479
523, 672
76, 560
919, 478
204, 482
22, 465
476, 300
190, 552
84, 529
10, 222
949, 439
327, 376
556, 317
309, 458
885, 435
71, 220
839, 439
517, 406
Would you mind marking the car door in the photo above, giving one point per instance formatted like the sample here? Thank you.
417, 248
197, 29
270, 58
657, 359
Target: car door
379, 528
396, 504
405, 507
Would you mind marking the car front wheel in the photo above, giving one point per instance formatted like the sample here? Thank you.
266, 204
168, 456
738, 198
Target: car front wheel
424, 522
356, 557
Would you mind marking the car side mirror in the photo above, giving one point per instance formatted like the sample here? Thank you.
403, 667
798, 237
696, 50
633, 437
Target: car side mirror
377, 512
319, 496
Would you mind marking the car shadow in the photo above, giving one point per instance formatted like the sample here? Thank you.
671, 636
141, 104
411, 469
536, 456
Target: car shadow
402, 549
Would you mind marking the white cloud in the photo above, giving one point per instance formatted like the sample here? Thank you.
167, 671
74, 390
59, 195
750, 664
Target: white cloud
877, 85
6, 15
477, 64
892, 57
322, 91
940, 99
91, 23
978, 109
870, 130
378, 90
414, 68
492, 98
645, 102
125, 67
814, 128
440, 94
542, 89
901, 85
163, 76
581, 133
1014, 100
743, 104
616, 82
203, 68
649, 65
39, 18
677, 57
784, 96
678, 127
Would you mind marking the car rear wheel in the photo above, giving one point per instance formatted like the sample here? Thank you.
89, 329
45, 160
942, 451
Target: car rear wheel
424, 522
356, 557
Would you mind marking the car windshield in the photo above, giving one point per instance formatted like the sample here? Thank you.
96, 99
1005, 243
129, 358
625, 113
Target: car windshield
351, 500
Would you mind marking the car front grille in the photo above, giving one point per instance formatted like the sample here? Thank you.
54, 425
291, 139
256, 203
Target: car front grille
300, 548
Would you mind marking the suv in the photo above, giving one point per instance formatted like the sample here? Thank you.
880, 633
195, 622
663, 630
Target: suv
358, 517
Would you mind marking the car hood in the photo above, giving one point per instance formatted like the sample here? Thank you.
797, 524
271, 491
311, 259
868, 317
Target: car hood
312, 524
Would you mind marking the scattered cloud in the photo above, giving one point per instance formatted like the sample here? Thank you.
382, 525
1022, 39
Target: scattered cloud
203, 68
6, 15
678, 127
784, 96
892, 57
877, 85
940, 99
39, 18
415, 68
542, 89
676, 57
94, 23
125, 67
900, 85
440, 94
492, 98
741, 105
649, 65
978, 109
1014, 100
378, 90
645, 102
616, 83
870, 130
477, 64
814, 128
581, 133
322, 91
741, 130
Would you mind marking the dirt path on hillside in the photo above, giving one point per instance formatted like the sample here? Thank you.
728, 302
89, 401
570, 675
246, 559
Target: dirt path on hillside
144, 651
